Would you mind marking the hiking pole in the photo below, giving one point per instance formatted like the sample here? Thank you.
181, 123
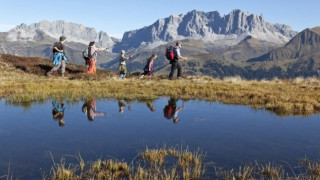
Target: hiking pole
185, 66
129, 64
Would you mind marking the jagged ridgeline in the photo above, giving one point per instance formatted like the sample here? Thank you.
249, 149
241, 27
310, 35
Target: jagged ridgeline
236, 44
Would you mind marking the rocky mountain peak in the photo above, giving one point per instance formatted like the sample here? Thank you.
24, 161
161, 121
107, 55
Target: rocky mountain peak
208, 26
74, 33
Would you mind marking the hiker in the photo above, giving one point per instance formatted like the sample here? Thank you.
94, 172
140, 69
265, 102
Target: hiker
58, 112
148, 69
171, 111
122, 64
89, 109
122, 105
175, 63
59, 57
150, 106
175, 116
93, 53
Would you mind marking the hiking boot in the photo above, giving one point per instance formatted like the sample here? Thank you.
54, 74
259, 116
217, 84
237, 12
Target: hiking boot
49, 73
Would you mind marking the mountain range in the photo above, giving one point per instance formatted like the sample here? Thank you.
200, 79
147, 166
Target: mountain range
238, 43
36, 40
211, 27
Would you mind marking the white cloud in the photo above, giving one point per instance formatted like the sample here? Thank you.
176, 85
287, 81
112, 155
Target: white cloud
6, 27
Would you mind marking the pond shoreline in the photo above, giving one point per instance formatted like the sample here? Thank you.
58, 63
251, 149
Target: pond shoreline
22, 80
294, 97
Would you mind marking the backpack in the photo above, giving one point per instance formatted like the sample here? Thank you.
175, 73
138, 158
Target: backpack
54, 45
170, 53
170, 109
86, 54
146, 68
167, 111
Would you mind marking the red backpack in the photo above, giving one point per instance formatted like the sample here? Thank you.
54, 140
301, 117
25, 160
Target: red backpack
170, 109
167, 112
170, 53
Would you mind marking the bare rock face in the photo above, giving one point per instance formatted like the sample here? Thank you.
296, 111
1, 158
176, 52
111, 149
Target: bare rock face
74, 33
227, 30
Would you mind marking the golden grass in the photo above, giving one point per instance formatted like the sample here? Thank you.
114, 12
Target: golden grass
284, 97
176, 164
187, 165
151, 168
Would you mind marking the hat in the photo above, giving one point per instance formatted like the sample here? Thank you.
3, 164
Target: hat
62, 38
122, 51
91, 43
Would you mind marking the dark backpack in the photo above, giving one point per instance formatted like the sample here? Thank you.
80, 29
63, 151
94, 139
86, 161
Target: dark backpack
54, 45
170, 53
146, 68
86, 54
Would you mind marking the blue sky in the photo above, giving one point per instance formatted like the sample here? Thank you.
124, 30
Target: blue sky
117, 16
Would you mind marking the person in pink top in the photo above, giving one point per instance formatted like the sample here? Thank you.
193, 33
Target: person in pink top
148, 69
93, 54
89, 108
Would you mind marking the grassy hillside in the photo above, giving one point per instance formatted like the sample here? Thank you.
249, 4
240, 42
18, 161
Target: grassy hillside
23, 80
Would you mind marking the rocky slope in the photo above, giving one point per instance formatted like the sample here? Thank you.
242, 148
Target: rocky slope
74, 32
303, 46
36, 40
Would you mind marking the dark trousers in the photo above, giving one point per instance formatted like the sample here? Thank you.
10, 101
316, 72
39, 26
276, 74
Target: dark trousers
175, 65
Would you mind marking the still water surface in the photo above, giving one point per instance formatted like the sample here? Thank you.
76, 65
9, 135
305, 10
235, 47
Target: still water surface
228, 134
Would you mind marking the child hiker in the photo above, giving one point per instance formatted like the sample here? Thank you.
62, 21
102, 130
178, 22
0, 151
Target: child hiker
148, 69
122, 64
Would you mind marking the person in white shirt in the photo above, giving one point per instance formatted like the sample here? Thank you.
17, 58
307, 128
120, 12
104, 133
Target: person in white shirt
122, 64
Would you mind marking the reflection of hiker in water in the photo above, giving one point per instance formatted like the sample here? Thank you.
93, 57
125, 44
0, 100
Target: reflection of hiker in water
58, 112
122, 105
150, 106
89, 108
171, 110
